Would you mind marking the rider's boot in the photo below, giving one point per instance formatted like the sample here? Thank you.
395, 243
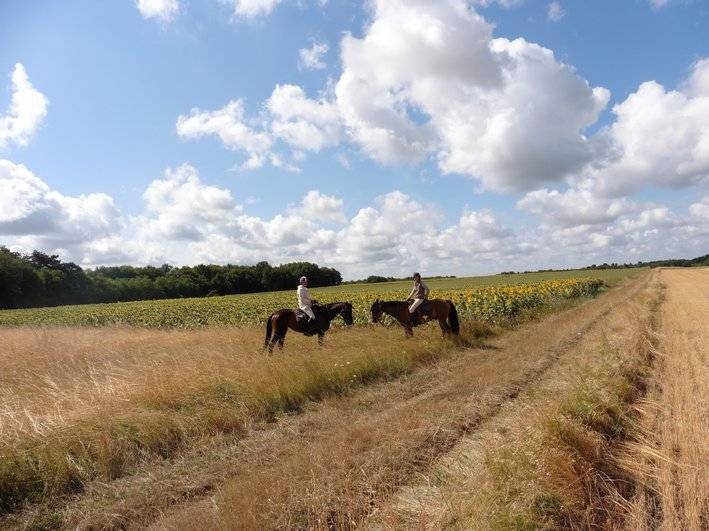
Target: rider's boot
412, 319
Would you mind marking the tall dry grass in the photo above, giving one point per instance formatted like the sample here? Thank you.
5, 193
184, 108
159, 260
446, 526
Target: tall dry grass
351, 457
669, 460
80, 404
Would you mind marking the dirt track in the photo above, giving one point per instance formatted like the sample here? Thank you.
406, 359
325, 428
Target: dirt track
346, 457
676, 413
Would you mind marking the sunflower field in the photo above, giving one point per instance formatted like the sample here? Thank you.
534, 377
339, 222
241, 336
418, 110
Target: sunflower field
487, 303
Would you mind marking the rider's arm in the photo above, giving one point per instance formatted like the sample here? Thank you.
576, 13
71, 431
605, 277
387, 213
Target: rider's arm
412, 295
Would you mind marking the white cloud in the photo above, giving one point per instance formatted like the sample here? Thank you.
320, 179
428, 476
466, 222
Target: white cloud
28, 107
555, 11
659, 137
574, 207
398, 235
312, 58
289, 115
658, 4
229, 125
197, 222
700, 211
504, 3
186, 221
30, 208
427, 78
162, 10
320, 207
252, 8
302, 122
181, 207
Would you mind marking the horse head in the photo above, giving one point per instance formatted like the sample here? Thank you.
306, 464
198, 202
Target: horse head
347, 313
376, 310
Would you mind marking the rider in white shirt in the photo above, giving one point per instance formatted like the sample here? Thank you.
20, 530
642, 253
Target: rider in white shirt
305, 301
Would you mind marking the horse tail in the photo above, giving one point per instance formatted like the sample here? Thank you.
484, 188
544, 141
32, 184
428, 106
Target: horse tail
453, 318
269, 329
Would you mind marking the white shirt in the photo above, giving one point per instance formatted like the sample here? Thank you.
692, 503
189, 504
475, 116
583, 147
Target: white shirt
304, 300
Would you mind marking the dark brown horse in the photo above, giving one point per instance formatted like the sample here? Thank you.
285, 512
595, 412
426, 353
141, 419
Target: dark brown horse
442, 310
279, 322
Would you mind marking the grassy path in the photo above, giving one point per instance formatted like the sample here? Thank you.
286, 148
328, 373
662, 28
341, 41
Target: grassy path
531, 466
343, 458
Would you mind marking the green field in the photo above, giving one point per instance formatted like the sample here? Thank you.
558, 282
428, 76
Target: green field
252, 309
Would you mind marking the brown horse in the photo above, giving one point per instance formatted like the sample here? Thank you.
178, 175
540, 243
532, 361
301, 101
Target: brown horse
279, 322
441, 309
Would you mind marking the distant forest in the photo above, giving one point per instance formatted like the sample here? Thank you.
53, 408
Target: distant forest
675, 262
38, 279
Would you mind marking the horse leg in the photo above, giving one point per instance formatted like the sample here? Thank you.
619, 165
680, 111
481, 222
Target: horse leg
269, 331
321, 337
282, 331
444, 326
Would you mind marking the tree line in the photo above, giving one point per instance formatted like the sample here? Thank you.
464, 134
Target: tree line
672, 262
39, 279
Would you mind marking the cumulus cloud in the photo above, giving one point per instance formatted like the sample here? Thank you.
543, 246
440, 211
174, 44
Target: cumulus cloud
188, 221
312, 58
27, 109
181, 207
302, 122
252, 8
30, 208
504, 3
700, 210
647, 233
428, 78
288, 115
555, 11
574, 207
658, 4
194, 221
398, 235
659, 137
319, 207
229, 125
161, 10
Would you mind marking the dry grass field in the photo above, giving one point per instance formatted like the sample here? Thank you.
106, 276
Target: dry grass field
670, 458
592, 415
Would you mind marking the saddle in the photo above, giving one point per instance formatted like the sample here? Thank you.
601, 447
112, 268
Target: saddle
302, 318
424, 309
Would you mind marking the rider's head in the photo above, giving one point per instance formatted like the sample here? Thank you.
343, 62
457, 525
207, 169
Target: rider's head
304, 281
417, 276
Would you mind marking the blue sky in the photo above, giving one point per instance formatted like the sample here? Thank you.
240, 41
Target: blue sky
451, 137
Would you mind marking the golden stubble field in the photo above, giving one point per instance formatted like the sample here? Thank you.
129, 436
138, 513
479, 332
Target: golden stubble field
183, 429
